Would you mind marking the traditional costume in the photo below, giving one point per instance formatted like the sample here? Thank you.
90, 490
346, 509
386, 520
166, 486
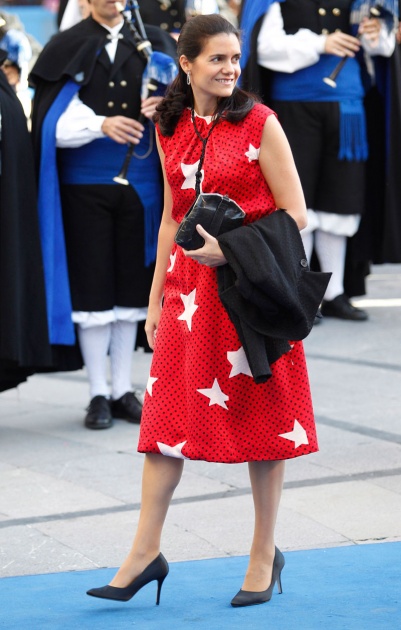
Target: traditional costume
325, 125
99, 237
24, 344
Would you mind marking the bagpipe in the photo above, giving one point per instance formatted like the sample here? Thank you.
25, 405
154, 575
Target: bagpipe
160, 71
381, 9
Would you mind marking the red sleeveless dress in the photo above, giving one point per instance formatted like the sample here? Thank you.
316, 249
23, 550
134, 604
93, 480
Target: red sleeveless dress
201, 401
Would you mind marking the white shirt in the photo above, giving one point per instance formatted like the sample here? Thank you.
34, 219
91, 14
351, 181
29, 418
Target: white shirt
280, 52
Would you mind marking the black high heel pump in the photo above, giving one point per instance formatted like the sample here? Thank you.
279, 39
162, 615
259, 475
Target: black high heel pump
250, 598
156, 570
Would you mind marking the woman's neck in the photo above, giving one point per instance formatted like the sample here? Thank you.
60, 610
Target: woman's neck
205, 109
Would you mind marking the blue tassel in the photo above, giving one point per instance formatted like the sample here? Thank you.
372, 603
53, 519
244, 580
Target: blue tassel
353, 136
162, 68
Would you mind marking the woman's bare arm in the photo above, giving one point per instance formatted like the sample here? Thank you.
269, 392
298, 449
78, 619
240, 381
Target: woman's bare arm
278, 168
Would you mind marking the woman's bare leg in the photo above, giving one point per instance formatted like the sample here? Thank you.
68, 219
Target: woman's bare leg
160, 478
267, 483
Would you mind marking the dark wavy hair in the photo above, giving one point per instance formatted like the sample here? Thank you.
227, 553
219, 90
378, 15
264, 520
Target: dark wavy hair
193, 37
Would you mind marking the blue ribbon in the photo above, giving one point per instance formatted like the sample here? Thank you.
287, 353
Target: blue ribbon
59, 307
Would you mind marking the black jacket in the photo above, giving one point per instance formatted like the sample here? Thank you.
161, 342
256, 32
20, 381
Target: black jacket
267, 288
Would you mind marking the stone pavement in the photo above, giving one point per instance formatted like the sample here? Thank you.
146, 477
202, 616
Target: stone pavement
69, 497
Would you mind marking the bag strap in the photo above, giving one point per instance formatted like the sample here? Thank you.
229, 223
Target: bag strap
218, 216
198, 174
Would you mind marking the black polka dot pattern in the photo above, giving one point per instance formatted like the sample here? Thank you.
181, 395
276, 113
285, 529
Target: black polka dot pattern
231, 419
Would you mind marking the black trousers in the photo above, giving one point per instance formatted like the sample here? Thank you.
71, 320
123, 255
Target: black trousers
104, 232
329, 184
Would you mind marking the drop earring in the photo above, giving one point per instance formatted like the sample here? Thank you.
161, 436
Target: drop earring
189, 78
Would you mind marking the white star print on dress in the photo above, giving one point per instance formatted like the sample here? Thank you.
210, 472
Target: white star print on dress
239, 363
190, 308
149, 386
189, 171
215, 394
172, 451
297, 435
172, 262
252, 153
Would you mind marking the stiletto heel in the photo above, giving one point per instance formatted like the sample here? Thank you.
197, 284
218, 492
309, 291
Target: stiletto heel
156, 570
159, 589
279, 587
250, 598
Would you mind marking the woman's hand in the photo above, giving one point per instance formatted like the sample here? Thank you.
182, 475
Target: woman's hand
210, 254
152, 322
341, 44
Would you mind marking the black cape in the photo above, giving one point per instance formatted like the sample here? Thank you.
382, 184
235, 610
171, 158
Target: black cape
24, 345
72, 54
378, 239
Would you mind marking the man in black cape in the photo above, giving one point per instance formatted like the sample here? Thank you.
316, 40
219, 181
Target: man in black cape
24, 345
98, 236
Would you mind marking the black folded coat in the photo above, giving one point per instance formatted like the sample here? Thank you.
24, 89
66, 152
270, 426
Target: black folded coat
267, 288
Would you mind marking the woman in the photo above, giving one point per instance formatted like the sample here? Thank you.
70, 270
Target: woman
201, 401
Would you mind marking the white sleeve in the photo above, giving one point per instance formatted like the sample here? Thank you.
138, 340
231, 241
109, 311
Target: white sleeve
286, 53
384, 46
78, 125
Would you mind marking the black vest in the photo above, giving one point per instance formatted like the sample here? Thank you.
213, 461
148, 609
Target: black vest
115, 88
319, 16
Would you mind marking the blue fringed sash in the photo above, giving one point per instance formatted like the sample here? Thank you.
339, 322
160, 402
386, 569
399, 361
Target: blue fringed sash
307, 85
61, 329
353, 135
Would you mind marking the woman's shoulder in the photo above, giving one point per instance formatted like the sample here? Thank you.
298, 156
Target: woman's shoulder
180, 125
261, 112
254, 121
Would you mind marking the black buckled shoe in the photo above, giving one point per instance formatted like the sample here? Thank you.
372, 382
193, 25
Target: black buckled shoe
128, 407
99, 414
341, 308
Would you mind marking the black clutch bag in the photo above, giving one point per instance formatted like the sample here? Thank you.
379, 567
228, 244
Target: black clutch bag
215, 213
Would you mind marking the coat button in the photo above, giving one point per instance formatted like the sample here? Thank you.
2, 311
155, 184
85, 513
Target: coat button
124, 105
322, 11
110, 104
123, 83
111, 83
325, 31
304, 262
336, 12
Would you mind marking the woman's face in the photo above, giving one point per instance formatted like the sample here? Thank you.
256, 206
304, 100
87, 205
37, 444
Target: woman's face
215, 71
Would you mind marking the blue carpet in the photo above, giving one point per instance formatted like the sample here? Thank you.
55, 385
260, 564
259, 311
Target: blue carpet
343, 588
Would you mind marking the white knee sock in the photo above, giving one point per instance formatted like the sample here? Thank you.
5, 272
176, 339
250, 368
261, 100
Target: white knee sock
123, 336
94, 343
331, 250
